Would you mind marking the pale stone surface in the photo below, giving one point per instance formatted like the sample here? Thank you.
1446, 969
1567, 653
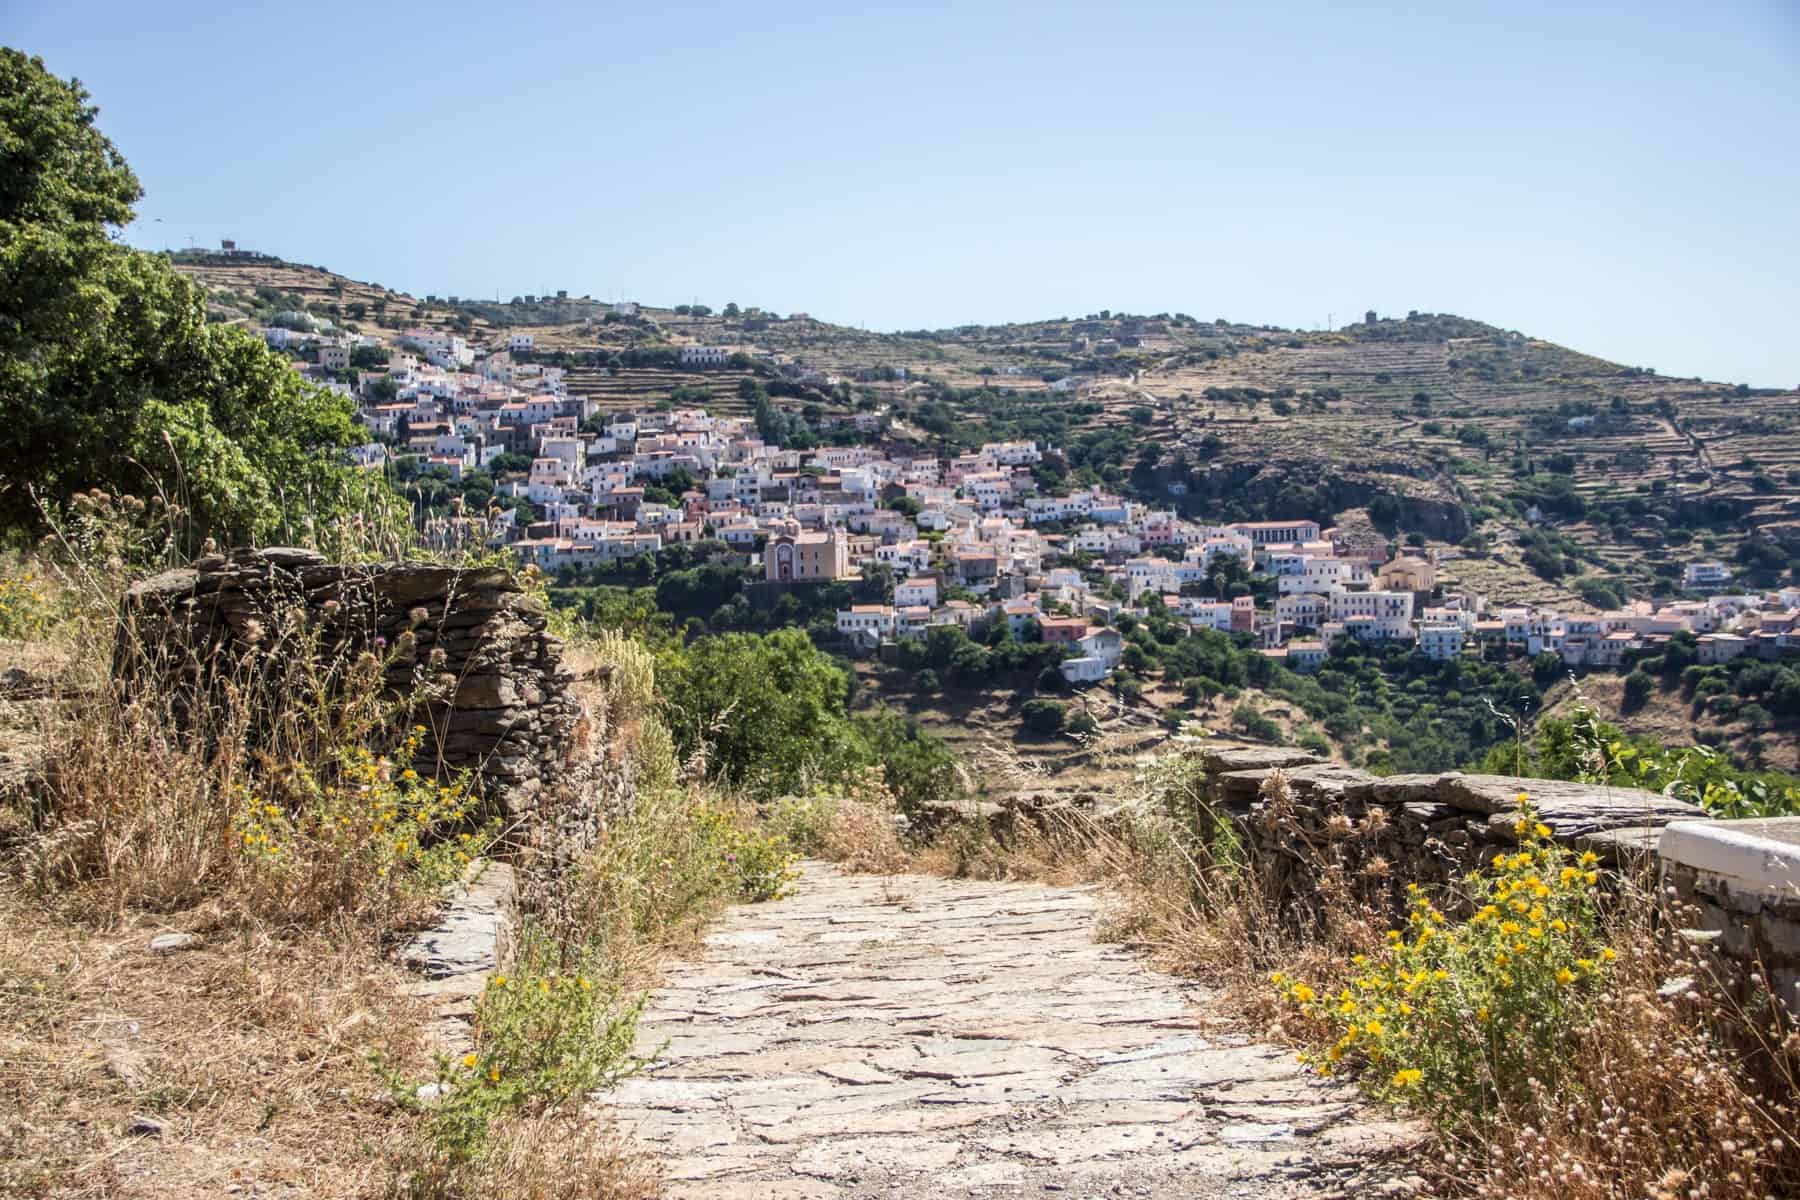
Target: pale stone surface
971, 1040
466, 939
454, 958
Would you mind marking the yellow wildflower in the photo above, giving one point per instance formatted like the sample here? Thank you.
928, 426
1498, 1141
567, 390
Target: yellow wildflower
1409, 1077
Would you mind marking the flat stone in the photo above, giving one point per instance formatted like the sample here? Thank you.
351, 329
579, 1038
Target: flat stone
976, 1038
757, 1189
1393, 789
980, 1175
1220, 759
1006, 1059
1616, 847
1325, 781
172, 943
1061, 1146
809, 1128
1256, 1132
855, 1073
1570, 809
466, 939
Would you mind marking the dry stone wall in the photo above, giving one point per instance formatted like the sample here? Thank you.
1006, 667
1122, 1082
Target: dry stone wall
1387, 831
463, 652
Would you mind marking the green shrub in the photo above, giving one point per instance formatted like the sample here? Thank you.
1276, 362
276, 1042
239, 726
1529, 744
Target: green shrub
1043, 717
1246, 718
25, 607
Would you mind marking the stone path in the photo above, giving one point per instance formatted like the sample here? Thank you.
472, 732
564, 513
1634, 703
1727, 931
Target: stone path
910, 1036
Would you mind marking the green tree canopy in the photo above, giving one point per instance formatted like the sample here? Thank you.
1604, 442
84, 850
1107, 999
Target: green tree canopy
766, 710
111, 376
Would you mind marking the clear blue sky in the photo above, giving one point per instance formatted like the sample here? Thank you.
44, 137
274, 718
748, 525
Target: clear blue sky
1621, 178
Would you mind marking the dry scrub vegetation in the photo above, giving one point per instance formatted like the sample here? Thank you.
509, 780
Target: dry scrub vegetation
279, 820
283, 1052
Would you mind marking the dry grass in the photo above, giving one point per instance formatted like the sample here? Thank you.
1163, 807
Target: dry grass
1674, 1091
246, 1064
250, 1054
547, 1158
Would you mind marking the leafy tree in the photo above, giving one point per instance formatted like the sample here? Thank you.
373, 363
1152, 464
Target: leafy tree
112, 376
918, 767
767, 711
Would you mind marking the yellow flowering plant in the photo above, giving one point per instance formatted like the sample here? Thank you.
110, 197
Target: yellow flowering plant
394, 836
26, 609
1463, 1013
546, 1036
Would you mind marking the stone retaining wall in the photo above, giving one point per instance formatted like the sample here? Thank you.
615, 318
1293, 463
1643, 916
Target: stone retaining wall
1386, 831
466, 653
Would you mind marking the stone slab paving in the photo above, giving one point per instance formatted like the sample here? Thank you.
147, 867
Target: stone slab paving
909, 1036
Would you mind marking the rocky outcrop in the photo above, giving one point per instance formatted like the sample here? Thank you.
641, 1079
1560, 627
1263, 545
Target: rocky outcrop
465, 653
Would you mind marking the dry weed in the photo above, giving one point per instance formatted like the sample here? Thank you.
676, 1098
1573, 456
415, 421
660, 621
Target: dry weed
1675, 1090
553, 1157
240, 1064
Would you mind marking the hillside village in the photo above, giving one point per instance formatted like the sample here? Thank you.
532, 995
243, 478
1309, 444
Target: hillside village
967, 540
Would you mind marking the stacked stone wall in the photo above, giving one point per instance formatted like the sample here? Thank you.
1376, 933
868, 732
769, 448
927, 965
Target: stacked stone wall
465, 653
1387, 831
